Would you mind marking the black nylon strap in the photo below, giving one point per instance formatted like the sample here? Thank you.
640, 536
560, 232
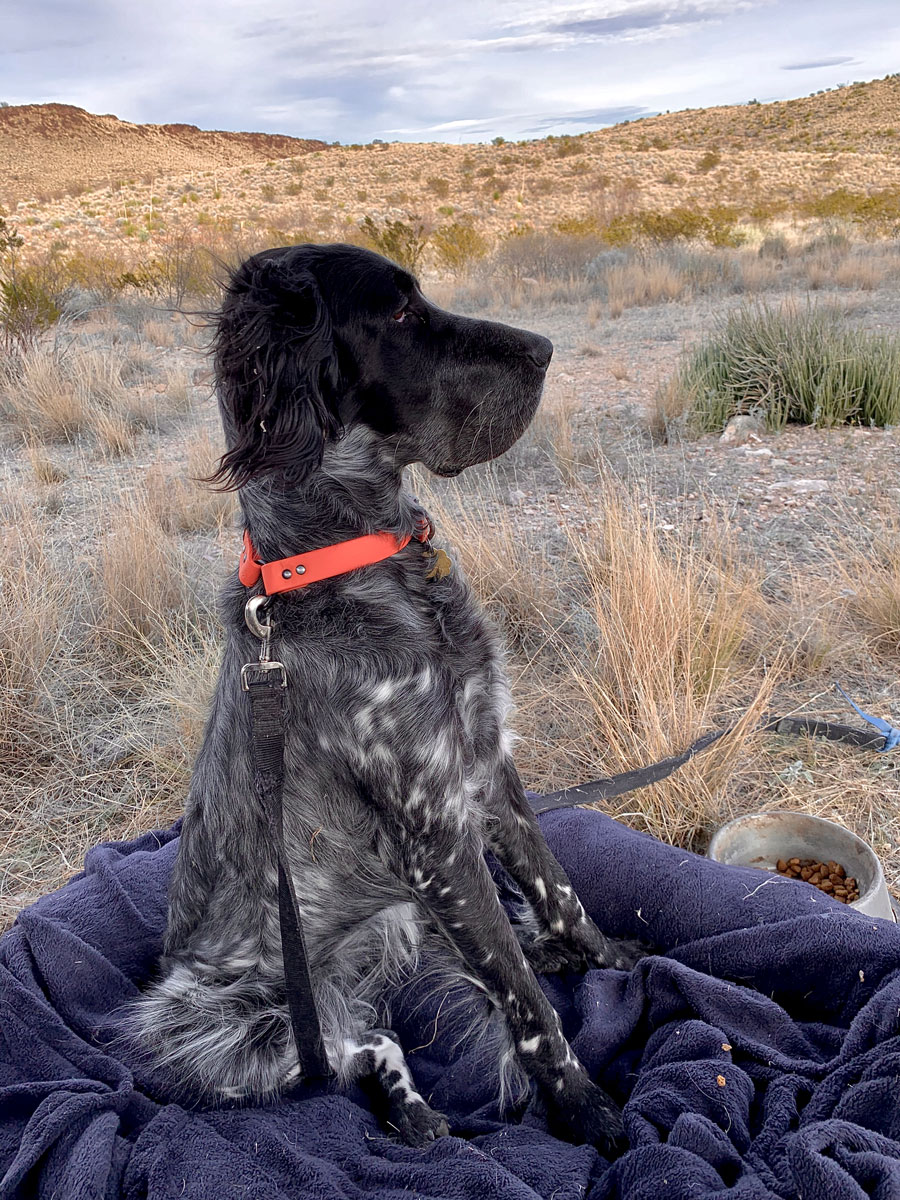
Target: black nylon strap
267, 715
630, 781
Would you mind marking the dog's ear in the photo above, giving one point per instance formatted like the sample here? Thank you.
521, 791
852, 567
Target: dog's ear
276, 371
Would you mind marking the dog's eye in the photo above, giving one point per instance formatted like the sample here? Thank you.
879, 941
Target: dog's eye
406, 314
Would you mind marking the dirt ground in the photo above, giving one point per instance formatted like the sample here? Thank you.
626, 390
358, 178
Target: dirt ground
790, 504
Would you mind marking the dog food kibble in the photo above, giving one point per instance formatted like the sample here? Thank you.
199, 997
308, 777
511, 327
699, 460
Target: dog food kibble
828, 877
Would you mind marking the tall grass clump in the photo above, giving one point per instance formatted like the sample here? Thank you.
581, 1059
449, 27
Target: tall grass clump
670, 651
787, 365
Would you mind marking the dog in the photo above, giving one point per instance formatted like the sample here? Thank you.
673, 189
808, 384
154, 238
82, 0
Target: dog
335, 373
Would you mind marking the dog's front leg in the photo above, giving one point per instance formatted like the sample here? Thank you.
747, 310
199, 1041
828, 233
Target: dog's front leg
446, 870
567, 938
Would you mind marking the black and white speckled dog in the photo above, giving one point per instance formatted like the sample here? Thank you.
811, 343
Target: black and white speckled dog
334, 374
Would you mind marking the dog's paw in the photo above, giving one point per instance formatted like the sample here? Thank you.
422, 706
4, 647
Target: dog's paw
555, 954
415, 1122
620, 953
582, 948
590, 1116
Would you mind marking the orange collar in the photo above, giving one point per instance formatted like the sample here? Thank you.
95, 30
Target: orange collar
287, 574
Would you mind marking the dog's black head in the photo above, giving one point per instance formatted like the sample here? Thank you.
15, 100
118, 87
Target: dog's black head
312, 339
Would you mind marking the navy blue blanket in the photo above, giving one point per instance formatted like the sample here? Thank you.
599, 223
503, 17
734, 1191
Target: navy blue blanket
758, 1055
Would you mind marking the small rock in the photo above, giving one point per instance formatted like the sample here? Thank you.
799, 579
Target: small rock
739, 430
801, 487
763, 452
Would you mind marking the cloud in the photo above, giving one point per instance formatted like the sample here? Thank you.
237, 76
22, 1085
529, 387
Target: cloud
819, 62
353, 70
641, 17
590, 120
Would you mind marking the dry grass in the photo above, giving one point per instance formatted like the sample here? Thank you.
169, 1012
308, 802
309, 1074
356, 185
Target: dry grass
871, 577
669, 410
637, 284
45, 470
627, 640
508, 571
39, 396
855, 271
141, 576
59, 395
179, 501
554, 428
632, 642
625, 651
671, 653
91, 744
160, 333
33, 614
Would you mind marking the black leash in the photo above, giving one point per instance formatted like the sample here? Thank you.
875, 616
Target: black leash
265, 682
630, 781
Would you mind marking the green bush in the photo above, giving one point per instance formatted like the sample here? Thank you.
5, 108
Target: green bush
440, 187
29, 293
29, 305
568, 146
708, 161
403, 243
791, 365
718, 227
458, 245
878, 213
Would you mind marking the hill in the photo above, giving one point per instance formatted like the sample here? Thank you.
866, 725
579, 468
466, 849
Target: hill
858, 118
52, 149
753, 162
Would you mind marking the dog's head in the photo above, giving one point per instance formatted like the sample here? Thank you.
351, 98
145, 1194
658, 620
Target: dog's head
312, 339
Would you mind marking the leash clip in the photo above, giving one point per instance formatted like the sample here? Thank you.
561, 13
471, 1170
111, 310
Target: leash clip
254, 610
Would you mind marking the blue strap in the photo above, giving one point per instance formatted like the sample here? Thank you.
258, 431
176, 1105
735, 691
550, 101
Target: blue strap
891, 732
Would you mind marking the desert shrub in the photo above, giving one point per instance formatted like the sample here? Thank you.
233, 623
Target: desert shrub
30, 293
721, 226
708, 161
598, 266
458, 245
545, 255
578, 226
717, 226
639, 285
10, 238
403, 242
831, 245
29, 305
440, 187
774, 246
98, 272
568, 146
791, 365
878, 213
179, 267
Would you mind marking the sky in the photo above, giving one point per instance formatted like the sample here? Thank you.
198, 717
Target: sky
470, 70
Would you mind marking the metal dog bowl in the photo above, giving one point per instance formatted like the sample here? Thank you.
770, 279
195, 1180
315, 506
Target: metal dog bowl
760, 839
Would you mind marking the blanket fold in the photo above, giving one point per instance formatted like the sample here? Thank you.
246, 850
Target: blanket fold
757, 1052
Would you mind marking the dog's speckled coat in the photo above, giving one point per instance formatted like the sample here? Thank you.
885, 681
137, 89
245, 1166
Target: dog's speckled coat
334, 374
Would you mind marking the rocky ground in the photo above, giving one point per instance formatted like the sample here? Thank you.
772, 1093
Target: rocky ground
802, 506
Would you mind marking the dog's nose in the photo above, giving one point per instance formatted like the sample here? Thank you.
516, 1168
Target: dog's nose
540, 351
